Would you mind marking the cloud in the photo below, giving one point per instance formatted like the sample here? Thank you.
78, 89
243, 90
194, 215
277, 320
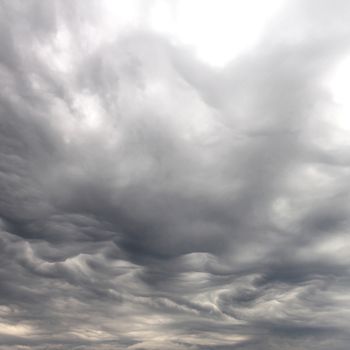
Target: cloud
152, 201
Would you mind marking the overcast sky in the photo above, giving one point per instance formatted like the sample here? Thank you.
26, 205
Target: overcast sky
174, 175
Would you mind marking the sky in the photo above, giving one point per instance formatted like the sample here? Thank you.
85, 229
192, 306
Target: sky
174, 175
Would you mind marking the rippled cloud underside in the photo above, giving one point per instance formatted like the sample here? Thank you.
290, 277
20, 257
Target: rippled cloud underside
172, 181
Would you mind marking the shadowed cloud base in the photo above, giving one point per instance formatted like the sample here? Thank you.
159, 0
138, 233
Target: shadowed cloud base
152, 201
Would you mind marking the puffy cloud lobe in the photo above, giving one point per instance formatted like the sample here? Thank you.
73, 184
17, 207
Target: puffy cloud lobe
150, 201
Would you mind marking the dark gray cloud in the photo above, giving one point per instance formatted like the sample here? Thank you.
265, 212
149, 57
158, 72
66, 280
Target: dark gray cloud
152, 201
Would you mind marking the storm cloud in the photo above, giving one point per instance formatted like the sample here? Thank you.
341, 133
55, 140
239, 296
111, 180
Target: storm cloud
151, 200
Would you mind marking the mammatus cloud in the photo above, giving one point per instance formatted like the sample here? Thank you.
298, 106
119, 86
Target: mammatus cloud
150, 200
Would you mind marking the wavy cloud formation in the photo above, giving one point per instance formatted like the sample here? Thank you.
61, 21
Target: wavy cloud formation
152, 201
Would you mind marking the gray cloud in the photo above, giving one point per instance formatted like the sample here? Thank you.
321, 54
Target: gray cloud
151, 201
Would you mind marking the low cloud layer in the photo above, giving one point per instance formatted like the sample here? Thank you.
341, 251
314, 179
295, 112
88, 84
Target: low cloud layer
152, 201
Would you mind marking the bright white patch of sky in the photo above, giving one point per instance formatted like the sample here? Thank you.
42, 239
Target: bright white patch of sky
217, 31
